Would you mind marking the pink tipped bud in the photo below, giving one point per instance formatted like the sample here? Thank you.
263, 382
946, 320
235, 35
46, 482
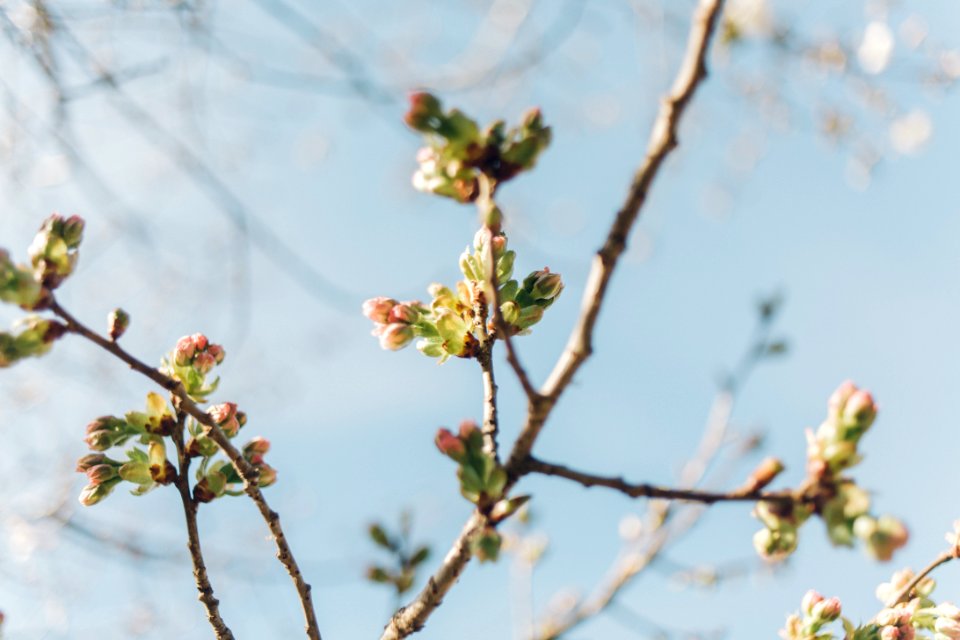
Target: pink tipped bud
204, 363
838, 399
449, 444
860, 409
827, 610
468, 428
183, 352
217, 352
404, 313
424, 109
257, 446
90, 460
810, 599
378, 309
199, 341
225, 415
396, 336
98, 474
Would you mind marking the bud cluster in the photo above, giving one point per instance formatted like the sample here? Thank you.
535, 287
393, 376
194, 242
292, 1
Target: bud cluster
458, 152
837, 499
54, 250
482, 479
191, 360
32, 336
147, 466
816, 612
457, 322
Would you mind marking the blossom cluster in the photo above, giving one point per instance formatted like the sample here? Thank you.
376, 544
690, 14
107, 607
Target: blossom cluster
53, 256
836, 498
915, 617
145, 435
458, 152
458, 321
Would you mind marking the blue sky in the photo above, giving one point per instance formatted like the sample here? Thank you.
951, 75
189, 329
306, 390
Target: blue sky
870, 278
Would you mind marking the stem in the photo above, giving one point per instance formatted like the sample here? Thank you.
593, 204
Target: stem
904, 594
490, 421
210, 602
247, 471
645, 490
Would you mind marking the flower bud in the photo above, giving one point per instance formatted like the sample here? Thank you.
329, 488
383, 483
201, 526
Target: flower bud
117, 323
396, 336
424, 114
764, 474
268, 475
827, 610
404, 313
510, 312
258, 445
204, 363
225, 415
378, 309
98, 474
184, 351
90, 460
543, 285
860, 409
94, 493
450, 445
217, 352
810, 599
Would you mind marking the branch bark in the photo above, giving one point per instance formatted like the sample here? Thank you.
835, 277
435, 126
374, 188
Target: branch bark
663, 139
204, 588
904, 594
247, 471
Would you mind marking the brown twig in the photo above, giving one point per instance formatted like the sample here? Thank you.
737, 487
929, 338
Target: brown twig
644, 490
490, 421
204, 588
904, 594
663, 140
246, 471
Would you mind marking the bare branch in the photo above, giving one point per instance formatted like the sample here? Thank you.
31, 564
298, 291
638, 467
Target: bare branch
904, 594
663, 139
247, 471
644, 490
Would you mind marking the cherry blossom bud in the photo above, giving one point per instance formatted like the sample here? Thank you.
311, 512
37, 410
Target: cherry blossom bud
225, 415
810, 599
543, 285
204, 363
826, 610
378, 309
98, 474
268, 475
217, 352
860, 409
450, 445
404, 313
184, 351
94, 493
258, 446
90, 460
396, 336
117, 323
838, 399
424, 113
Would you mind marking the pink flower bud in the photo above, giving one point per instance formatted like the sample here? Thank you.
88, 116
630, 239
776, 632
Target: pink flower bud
810, 599
98, 474
225, 415
467, 429
860, 409
183, 352
449, 444
396, 336
90, 460
378, 309
258, 445
199, 341
827, 610
217, 352
404, 313
204, 363
268, 475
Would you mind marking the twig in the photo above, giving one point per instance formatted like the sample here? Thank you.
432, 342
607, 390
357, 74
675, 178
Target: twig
904, 594
645, 490
490, 420
204, 588
662, 140
247, 471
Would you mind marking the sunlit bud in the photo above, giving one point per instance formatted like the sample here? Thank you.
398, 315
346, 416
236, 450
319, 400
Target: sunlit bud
183, 352
378, 309
505, 266
72, 231
838, 399
217, 352
257, 446
117, 323
510, 312
94, 493
827, 610
90, 460
100, 473
99, 440
396, 336
404, 313
199, 341
268, 475
204, 363
543, 285
450, 445
810, 599
860, 409
225, 415
468, 430
137, 473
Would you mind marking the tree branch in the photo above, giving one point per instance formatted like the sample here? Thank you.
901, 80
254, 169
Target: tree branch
247, 471
645, 490
490, 420
904, 594
663, 139
204, 588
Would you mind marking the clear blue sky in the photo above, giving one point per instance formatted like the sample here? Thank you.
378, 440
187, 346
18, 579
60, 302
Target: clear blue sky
870, 278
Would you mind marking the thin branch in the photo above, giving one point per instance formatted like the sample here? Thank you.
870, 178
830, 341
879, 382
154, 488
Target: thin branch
663, 139
645, 490
490, 420
246, 471
904, 594
204, 588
